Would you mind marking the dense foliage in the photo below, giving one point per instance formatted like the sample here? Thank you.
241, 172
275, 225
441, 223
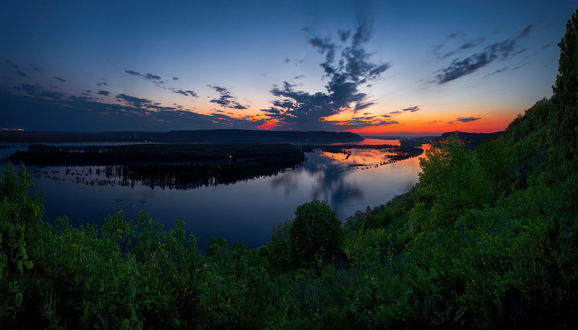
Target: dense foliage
488, 238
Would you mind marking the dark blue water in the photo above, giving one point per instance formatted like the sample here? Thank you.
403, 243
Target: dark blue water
244, 212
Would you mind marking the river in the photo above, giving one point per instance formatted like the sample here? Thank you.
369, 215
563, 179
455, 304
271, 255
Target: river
244, 212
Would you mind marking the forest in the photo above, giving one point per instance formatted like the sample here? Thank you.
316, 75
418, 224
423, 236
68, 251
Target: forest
488, 238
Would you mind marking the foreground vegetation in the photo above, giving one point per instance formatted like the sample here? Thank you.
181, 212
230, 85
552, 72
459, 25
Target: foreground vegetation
488, 238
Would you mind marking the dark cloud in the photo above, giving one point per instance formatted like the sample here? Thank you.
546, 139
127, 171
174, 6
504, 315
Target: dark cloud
347, 70
360, 122
36, 91
395, 112
502, 50
136, 102
184, 92
35, 111
59, 79
439, 47
464, 46
16, 68
343, 35
412, 109
467, 119
105, 93
299, 77
287, 60
225, 99
101, 83
147, 76
175, 78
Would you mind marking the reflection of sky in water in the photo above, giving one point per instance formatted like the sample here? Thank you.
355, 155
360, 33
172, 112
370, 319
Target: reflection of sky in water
371, 142
245, 211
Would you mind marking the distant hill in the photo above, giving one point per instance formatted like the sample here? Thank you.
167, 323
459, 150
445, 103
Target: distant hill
205, 136
472, 139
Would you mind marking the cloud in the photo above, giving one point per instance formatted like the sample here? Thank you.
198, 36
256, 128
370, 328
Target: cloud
464, 46
101, 83
346, 70
147, 76
22, 74
524, 32
35, 111
502, 50
155, 79
397, 112
59, 79
343, 35
225, 99
504, 69
37, 91
184, 92
175, 78
105, 93
136, 102
468, 119
362, 121
286, 60
412, 109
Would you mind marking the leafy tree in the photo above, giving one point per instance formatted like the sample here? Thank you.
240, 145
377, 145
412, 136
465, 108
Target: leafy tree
316, 232
564, 117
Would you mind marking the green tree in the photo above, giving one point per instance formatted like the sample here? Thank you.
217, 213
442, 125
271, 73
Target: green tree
564, 117
316, 232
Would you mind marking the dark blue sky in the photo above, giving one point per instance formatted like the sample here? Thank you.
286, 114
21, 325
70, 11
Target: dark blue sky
379, 66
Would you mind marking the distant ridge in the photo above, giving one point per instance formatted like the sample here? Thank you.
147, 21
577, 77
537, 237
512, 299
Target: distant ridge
472, 139
206, 136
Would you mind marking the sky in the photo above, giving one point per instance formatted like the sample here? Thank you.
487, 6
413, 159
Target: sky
360, 66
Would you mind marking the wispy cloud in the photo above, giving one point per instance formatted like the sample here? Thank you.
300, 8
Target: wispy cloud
412, 109
147, 76
184, 92
502, 50
467, 119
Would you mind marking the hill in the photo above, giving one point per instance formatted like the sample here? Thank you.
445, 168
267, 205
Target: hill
199, 136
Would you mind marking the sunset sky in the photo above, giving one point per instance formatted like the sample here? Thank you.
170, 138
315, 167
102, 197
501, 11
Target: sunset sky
362, 66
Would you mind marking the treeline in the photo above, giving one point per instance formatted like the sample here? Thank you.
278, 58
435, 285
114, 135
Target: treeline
488, 238
198, 136
179, 166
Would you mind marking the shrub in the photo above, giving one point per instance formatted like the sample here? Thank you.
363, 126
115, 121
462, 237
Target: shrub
316, 233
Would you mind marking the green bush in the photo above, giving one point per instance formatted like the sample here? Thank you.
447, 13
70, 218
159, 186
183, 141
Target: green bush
315, 234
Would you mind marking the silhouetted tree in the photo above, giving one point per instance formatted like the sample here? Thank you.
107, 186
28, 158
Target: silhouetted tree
564, 117
316, 232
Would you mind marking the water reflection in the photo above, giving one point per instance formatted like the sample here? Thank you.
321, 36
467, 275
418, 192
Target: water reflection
246, 211
325, 174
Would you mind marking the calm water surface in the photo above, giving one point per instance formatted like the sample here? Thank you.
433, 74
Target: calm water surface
244, 212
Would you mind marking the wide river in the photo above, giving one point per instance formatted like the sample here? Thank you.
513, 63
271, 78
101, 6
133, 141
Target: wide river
246, 211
